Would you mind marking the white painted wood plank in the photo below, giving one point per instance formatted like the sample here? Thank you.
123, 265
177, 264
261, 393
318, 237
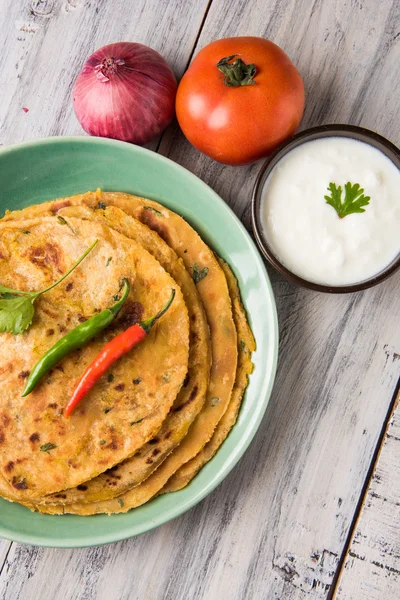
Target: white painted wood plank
371, 570
278, 524
4, 549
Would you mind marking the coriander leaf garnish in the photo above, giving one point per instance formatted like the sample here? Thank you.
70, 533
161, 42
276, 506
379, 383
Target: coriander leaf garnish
16, 313
16, 306
199, 274
47, 447
121, 502
156, 212
101, 205
354, 199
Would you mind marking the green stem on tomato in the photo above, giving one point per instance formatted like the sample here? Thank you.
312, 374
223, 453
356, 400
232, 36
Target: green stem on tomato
236, 73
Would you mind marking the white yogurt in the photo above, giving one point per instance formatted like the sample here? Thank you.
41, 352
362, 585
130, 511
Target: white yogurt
306, 234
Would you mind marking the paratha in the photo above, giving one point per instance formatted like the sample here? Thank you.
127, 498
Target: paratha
246, 345
191, 396
117, 417
139, 495
212, 286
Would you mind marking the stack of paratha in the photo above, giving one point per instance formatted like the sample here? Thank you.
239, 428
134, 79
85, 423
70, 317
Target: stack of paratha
163, 410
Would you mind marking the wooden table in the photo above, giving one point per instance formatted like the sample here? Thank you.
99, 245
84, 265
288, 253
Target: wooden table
313, 508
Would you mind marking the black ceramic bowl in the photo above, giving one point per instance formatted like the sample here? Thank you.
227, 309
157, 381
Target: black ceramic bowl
315, 133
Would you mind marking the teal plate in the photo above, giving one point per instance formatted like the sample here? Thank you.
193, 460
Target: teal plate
37, 171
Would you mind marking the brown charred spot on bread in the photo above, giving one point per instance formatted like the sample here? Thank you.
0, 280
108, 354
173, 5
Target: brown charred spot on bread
73, 463
113, 475
113, 445
167, 435
149, 461
49, 255
120, 387
186, 380
62, 328
152, 220
9, 466
52, 405
35, 437
82, 487
7, 368
156, 451
155, 440
5, 419
81, 319
131, 313
19, 483
60, 368
69, 286
59, 205
2, 438
48, 312
50, 332
192, 396
23, 374
193, 317
61, 496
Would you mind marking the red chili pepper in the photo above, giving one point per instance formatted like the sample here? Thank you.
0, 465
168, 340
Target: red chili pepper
111, 352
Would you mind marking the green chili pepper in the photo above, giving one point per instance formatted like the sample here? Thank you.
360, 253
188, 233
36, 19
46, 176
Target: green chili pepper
77, 338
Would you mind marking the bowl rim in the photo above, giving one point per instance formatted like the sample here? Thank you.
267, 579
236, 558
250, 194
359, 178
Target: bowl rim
331, 130
211, 475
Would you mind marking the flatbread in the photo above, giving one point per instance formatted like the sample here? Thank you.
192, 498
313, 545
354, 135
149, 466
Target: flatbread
214, 293
117, 417
246, 345
139, 495
192, 395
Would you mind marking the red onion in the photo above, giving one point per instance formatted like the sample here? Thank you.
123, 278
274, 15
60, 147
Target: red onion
125, 91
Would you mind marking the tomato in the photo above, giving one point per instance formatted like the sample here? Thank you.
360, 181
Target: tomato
238, 124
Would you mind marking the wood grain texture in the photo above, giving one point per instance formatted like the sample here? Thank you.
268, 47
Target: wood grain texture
371, 570
277, 526
4, 548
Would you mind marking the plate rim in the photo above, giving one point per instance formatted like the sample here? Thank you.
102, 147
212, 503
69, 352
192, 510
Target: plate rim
253, 425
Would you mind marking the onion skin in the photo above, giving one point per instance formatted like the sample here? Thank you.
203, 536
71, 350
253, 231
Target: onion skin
125, 91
